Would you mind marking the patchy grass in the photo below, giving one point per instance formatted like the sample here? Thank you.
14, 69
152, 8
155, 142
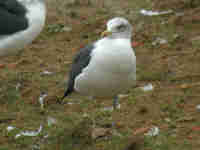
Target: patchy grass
172, 68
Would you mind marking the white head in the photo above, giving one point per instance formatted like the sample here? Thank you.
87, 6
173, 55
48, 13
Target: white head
118, 28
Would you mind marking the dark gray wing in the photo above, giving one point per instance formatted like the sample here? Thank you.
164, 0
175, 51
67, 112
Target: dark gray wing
80, 61
12, 17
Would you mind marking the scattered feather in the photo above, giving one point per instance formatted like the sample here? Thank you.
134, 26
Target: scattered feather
109, 109
148, 87
41, 100
159, 41
46, 136
154, 131
35, 147
115, 133
10, 128
70, 103
154, 13
29, 133
118, 106
46, 72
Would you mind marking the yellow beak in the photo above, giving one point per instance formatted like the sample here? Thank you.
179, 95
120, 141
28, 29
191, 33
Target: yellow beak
106, 33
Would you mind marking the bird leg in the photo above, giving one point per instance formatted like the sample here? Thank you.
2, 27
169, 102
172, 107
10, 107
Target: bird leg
61, 100
116, 104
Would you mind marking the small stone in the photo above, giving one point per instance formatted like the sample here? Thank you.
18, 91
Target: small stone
198, 108
51, 121
123, 96
99, 132
179, 14
141, 130
67, 29
197, 38
167, 119
159, 41
184, 86
176, 36
85, 115
18, 86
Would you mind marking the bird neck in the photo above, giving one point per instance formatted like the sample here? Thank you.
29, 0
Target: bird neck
120, 35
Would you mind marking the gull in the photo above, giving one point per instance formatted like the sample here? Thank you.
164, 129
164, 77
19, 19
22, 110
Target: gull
107, 67
21, 23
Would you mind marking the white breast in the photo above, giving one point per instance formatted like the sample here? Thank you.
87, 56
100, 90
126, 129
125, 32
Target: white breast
111, 71
13, 43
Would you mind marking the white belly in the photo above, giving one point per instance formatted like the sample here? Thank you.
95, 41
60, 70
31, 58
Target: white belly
108, 74
103, 84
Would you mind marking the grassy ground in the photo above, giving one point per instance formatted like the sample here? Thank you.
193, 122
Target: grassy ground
172, 68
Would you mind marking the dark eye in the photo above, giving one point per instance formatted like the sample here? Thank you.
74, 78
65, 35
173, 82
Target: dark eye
121, 27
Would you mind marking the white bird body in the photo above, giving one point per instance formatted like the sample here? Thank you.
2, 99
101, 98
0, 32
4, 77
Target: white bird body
111, 70
36, 13
107, 67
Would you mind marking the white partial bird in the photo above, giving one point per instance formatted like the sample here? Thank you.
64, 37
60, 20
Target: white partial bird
106, 67
21, 23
